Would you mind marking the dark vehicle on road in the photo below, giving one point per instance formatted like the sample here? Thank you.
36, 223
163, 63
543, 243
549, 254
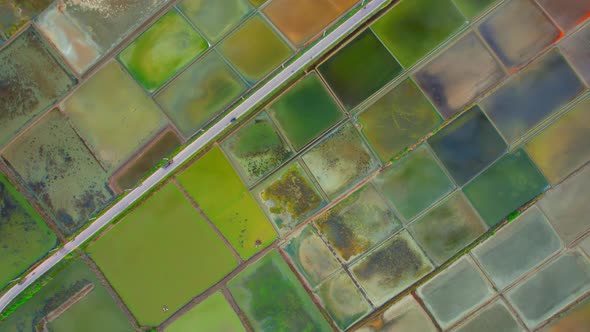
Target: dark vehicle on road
168, 163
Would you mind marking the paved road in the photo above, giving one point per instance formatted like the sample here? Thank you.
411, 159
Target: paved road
194, 147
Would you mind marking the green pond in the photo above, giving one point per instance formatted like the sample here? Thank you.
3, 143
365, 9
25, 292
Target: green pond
256, 149
359, 69
358, 222
60, 170
472, 8
311, 256
215, 18
95, 312
414, 182
105, 107
289, 197
398, 119
447, 228
168, 232
26, 65
212, 315
24, 236
340, 160
343, 301
392, 267
220, 193
255, 290
16, 13
153, 154
162, 50
411, 29
305, 111
83, 31
200, 93
255, 49
504, 187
